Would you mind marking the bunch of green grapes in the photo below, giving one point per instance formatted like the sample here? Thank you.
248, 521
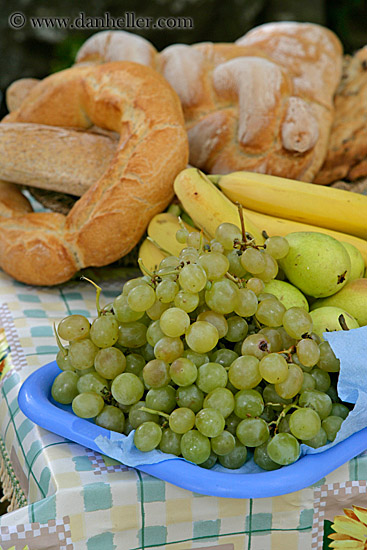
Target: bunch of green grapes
201, 362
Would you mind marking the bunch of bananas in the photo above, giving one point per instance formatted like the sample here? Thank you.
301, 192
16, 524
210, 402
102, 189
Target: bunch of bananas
270, 205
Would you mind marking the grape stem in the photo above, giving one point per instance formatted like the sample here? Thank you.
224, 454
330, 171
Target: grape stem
62, 348
98, 293
288, 352
159, 246
285, 410
153, 411
145, 269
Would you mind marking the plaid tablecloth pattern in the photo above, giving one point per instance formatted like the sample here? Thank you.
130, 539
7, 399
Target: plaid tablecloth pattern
72, 498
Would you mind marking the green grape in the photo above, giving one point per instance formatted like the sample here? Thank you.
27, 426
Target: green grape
273, 368
111, 418
247, 302
277, 247
308, 382
271, 396
220, 399
192, 278
197, 358
170, 442
73, 327
191, 397
268, 413
147, 436
262, 459
132, 283
166, 291
168, 349
244, 373
296, 361
202, 336
223, 356
137, 416
161, 399
127, 388
226, 234
223, 443
189, 254
338, 409
211, 376
232, 422
327, 361
253, 260
123, 311
87, 404
270, 312
104, 331
154, 313
308, 352
92, 381
316, 400
222, 296
128, 428
237, 329
333, 394
252, 432
235, 266
215, 265
187, 301
283, 449
283, 426
195, 446
82, 353
193, 239
141, 298
63, 360
319, 440
181, 235
256, 345
156, 374
322, 379
183, 372
256, 285
169, 261
236, 458
154, 333
110, 362
147, 351
174, 322
216, 246
331, 425
274, 338
287, 341
292, 384
304, 423
64, 387
271, 268
132, 335
216, 319
134, 363
297, 322
209, 422
181, 420
248, 403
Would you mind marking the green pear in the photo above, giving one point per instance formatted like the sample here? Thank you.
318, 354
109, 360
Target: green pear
317, 264
326, 319
352, 297
286, 293
356, 260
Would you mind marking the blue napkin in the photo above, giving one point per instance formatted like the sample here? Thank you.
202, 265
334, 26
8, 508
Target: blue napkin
349, 346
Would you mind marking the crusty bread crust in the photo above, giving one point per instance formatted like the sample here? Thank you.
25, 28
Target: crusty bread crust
110, 218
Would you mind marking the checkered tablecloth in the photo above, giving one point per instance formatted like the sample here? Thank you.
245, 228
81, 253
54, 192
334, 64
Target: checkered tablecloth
68, 497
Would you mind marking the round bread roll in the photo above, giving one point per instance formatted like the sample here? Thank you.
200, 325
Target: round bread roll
110, 218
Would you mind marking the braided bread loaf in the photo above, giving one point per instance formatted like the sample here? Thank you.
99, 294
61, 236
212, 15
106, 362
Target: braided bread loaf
128, 98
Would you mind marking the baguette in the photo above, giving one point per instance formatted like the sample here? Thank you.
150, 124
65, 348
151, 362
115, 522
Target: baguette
110, 218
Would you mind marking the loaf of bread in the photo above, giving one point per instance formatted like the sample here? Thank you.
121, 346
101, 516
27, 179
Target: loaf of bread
54, 158
264, 103
136, 102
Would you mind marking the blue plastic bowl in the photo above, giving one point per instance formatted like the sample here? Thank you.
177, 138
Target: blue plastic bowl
37, 404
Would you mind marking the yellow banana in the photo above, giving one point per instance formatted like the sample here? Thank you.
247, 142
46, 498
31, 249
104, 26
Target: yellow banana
297, 200
280, 226
151, 256
207, 205
163, 228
